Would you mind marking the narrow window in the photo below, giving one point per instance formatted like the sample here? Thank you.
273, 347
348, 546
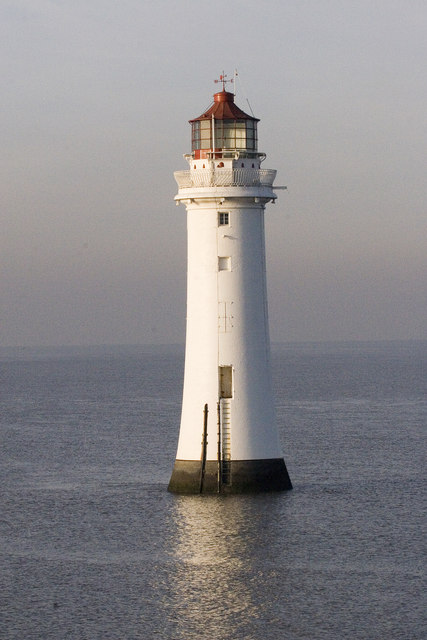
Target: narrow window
223, 218
224, 263
226, 382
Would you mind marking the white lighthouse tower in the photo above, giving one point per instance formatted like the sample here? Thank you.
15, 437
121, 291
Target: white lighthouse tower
228, 441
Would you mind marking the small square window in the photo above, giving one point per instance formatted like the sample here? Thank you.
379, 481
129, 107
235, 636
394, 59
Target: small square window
223, 218
224, 263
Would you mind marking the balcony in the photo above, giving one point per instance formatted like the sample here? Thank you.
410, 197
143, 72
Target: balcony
225, 178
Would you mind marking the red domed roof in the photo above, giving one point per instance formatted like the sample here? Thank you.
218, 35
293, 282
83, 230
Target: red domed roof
224, 108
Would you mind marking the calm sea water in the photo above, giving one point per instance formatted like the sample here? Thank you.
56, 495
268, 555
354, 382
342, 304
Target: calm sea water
93, 546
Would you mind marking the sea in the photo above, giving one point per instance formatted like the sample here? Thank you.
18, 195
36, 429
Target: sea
93, 546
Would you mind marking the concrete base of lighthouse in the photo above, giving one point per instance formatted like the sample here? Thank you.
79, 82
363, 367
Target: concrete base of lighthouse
246, 476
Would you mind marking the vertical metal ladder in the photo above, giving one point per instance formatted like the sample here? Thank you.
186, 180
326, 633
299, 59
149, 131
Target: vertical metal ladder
225, 441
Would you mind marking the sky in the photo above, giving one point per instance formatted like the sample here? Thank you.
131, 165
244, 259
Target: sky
96, 98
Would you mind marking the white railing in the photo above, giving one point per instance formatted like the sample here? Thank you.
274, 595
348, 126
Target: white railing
225, 178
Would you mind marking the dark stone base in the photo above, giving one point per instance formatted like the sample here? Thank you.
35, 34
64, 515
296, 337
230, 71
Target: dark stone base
247, 476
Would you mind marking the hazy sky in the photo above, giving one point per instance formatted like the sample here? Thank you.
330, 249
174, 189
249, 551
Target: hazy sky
96, 98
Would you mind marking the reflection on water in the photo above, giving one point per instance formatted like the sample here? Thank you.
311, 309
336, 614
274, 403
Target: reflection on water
224, 530
221, 554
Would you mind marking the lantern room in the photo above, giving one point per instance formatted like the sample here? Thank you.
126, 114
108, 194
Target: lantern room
224, 131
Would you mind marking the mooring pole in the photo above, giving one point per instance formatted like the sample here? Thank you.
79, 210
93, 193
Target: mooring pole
218, 455
204, 447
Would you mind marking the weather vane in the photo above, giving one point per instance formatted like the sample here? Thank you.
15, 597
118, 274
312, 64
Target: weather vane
223, 79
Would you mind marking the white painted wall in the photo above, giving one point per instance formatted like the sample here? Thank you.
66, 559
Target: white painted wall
244, 346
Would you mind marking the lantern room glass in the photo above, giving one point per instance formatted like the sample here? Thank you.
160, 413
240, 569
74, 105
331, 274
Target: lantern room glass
240, 135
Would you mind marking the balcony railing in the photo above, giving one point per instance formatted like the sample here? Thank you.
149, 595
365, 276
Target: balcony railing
225, 178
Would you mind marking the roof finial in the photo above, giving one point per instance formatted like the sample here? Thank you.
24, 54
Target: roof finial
223, 79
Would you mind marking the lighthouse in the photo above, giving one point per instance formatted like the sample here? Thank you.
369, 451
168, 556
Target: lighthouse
228, 440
